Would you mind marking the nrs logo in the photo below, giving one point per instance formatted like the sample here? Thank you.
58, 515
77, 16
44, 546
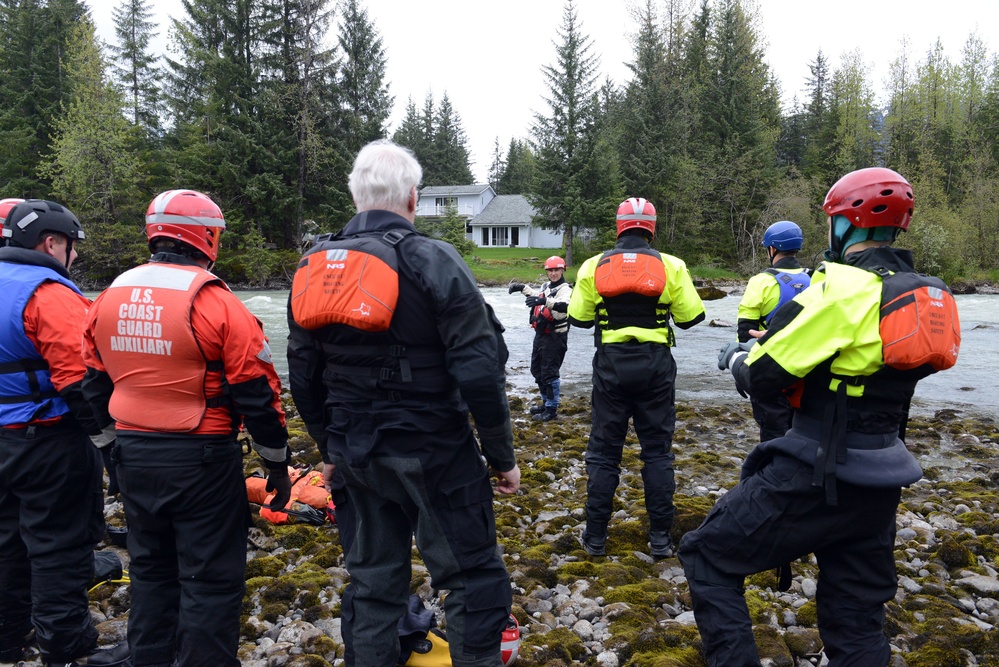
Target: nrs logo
339, 265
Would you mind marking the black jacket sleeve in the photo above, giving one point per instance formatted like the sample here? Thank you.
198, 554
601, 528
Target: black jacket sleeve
305, 379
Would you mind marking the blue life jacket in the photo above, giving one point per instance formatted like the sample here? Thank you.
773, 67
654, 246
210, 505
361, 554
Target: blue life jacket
790, 285
26, 391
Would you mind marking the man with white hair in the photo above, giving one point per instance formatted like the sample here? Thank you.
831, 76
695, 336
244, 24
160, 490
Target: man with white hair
391, 345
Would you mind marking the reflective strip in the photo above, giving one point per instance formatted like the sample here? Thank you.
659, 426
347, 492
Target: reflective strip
152, 275
158, 216
27, 220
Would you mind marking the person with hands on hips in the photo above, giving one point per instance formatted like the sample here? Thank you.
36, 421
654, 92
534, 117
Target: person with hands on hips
549, 319
176, 363
385, 378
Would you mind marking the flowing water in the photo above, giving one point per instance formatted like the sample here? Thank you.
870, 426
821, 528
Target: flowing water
970, 386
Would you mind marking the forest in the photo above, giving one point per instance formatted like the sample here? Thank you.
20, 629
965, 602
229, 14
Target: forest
262, 104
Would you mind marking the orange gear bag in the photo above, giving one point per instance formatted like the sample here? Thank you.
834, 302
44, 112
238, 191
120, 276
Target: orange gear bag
348, 280
627, 272
919, 322
307, 488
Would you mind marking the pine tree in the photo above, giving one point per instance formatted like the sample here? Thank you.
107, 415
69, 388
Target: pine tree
576, 179
34, 35
361, 82
450, 165
518, 174
497, 166
136, 67
92, 167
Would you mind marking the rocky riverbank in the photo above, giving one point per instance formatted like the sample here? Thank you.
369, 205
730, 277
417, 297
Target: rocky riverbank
626, 608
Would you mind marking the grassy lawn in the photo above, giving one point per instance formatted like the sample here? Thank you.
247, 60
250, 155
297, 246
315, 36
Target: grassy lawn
499, 266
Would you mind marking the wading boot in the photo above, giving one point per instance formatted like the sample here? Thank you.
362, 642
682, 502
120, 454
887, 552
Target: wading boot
105, 657
661, 544
549, 414
538, 409
15, 653
594, 540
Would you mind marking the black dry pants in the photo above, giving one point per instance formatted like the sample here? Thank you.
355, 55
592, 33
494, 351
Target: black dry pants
187, 513
637, 381
775, 517
450, 512
51, 518
547, 355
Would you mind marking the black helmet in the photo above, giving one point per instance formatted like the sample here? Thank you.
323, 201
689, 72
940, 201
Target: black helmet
27, 221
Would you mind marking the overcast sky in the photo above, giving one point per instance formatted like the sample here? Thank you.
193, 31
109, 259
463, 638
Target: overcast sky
488, 56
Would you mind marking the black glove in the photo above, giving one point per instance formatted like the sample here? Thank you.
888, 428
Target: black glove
559, 307
278, 480
728, 351
516, 287
533, 301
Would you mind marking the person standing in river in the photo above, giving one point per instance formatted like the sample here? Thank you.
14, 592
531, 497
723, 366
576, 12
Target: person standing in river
765, 293
831, 485
629, 294
175, 364
549, 319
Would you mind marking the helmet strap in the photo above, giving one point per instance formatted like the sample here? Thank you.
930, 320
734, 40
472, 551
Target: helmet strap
69, 251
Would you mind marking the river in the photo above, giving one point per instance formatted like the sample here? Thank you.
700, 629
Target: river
969, 386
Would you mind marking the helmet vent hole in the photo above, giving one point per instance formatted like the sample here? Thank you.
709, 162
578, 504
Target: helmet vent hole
886, 193
880, 208
857, 203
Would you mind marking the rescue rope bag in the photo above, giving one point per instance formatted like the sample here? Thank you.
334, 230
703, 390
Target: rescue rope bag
919, 322
352, 281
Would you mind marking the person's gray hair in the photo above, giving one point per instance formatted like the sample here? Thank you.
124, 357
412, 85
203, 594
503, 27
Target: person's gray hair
383, 177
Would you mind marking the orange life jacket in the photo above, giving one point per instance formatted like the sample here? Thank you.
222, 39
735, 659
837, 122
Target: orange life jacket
147, 344
631, 281
307, 487
348, 280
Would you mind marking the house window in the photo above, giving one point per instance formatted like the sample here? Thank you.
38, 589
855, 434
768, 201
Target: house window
515, 236
501, 235
444, 202
485, 236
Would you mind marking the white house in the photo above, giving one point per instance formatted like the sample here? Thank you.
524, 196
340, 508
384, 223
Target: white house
506, 221
491, 220
468, 200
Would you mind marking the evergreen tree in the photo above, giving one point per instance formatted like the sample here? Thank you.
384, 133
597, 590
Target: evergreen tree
575, 185
518, 173
136, 67
450, 162
739, 118
91, 167
366, 100
410, 131
856, 143
497, 166
34, 35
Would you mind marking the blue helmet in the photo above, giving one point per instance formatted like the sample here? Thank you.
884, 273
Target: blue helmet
783, 235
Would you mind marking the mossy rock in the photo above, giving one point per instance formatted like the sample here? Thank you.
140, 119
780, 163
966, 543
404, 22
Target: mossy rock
802, 641
307, 661
935, 656
295, 536
808, 614
559, 644
266, 566
954, 554
672, 657
771, 646
647, 593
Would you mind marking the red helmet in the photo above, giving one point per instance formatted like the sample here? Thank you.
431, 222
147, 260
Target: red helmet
510, 642
5, 206
188, 216
873, 197
636, 213
554, 262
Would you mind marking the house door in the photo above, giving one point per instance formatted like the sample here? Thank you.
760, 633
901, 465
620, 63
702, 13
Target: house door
515, 236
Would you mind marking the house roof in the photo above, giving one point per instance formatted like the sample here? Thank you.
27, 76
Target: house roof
506, 210
454, 190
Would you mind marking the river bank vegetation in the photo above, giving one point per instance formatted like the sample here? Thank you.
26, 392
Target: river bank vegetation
263, 105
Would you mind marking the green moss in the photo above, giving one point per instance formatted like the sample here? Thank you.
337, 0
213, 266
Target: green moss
760, 606
935, 656
808, 614
559, 644
266, 566
771, 646
271, 611
647, 593
954, 554
294, 536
